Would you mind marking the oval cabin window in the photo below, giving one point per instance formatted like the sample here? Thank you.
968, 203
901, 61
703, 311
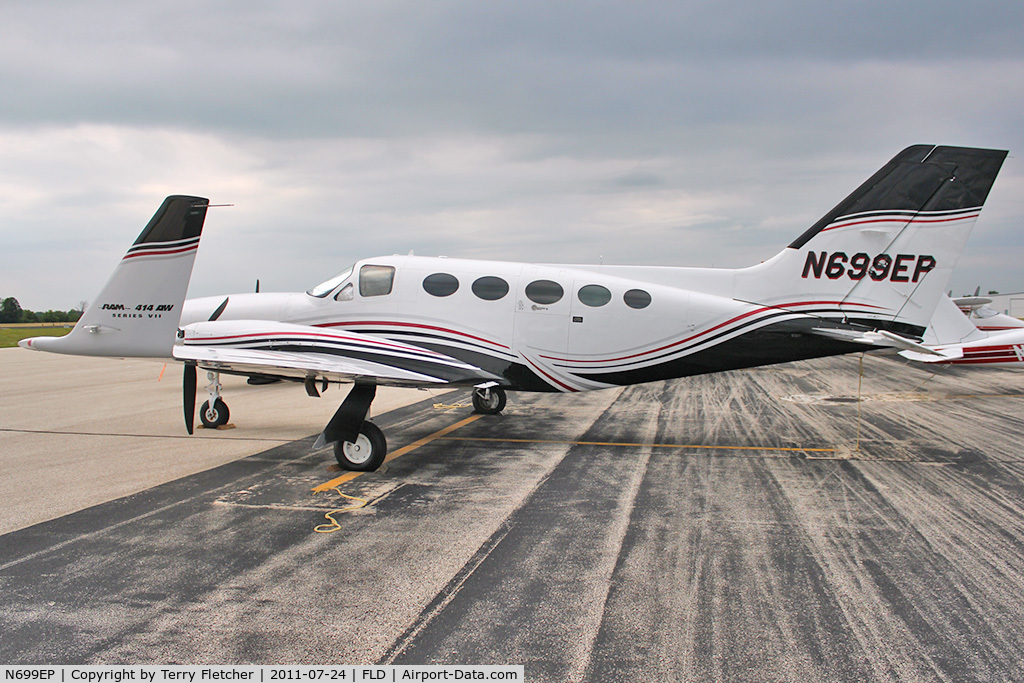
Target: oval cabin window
637, 298
544, 292
490, 288
594, 295
441, 284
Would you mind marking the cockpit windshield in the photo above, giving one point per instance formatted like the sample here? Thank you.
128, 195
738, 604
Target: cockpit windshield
327, 286
985, 312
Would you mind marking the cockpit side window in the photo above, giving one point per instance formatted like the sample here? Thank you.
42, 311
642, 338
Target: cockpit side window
327, 286
346, 293
376, 280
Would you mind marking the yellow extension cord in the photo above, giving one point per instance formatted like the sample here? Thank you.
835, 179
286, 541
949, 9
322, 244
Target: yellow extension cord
334, 525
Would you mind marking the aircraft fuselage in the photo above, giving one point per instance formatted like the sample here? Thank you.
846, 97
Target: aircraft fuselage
544, 327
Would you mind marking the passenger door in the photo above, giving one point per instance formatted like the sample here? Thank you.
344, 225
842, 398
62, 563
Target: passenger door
543, 302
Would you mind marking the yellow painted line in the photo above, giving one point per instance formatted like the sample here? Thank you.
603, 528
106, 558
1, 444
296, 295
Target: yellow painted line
647, 445
349, 476
328, 485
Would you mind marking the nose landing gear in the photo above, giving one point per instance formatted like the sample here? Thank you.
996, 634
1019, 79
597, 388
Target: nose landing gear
214, 413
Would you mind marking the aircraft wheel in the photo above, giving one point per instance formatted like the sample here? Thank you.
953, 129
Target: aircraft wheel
366, 453
214, 416
489, 401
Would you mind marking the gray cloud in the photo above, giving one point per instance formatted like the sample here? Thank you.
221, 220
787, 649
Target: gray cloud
709, 132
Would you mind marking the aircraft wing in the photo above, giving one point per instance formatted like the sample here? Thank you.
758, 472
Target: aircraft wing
260, 347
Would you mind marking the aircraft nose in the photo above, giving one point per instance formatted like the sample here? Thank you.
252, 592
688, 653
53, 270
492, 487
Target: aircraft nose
26, 343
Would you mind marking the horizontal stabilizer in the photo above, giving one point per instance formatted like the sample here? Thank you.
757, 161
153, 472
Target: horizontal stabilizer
972, 302
879, 338
934, 355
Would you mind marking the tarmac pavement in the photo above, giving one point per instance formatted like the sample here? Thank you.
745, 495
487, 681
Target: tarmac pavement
763, 525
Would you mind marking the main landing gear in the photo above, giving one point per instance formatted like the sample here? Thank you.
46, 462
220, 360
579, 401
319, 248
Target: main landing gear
489, 400
366, 453
359, 445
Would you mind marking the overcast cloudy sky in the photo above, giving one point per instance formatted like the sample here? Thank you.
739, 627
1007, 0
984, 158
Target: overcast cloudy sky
677, 133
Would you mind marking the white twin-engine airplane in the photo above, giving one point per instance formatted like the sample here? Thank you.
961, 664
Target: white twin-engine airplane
868, 274
984, 317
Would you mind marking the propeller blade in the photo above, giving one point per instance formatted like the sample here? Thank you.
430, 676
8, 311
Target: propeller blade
188, 386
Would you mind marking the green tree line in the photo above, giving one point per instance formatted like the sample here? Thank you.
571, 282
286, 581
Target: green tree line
12, 312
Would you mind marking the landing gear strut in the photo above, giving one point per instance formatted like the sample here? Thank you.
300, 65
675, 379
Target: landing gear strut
214, 413
489, 400
358, 444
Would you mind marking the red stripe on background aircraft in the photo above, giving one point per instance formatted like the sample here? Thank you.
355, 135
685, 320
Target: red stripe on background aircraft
955, 336
868, 274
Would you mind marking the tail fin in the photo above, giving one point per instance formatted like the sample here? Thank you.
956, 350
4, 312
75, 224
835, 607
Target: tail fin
884, 255
136, 313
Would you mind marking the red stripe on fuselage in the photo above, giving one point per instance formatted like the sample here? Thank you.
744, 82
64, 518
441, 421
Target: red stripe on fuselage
783, 308
980, 355
661, 348
538, 369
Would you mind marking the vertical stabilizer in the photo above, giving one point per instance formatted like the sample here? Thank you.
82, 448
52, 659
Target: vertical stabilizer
136, 313
884, 255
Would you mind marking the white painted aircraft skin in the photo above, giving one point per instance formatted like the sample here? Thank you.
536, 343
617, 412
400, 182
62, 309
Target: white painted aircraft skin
563, 342
1002, 350
572, 345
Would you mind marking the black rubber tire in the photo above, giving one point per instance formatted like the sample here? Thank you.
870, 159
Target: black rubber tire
489, 407
366, 454
216, 417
